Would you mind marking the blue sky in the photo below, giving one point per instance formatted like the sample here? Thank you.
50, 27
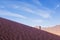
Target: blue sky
43, 13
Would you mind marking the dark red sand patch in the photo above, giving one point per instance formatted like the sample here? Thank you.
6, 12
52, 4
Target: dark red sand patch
10, 30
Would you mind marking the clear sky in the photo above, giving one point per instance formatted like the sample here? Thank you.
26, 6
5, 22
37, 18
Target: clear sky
31, 12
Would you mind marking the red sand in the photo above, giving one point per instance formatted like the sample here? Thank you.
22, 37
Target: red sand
10, 30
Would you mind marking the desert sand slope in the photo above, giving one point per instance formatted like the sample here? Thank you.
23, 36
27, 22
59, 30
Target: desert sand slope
54, 30
10, 30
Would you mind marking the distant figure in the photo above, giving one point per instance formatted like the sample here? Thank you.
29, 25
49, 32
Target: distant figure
38, 27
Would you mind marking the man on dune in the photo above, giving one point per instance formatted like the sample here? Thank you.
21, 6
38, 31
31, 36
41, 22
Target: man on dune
10, 30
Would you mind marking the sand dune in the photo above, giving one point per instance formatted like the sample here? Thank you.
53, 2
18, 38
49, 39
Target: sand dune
10, 30
54, 29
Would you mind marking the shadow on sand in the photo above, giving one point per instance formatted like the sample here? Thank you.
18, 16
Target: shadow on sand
10, 30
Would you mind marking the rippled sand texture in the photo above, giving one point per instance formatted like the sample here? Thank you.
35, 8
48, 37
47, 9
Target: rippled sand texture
10, 30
